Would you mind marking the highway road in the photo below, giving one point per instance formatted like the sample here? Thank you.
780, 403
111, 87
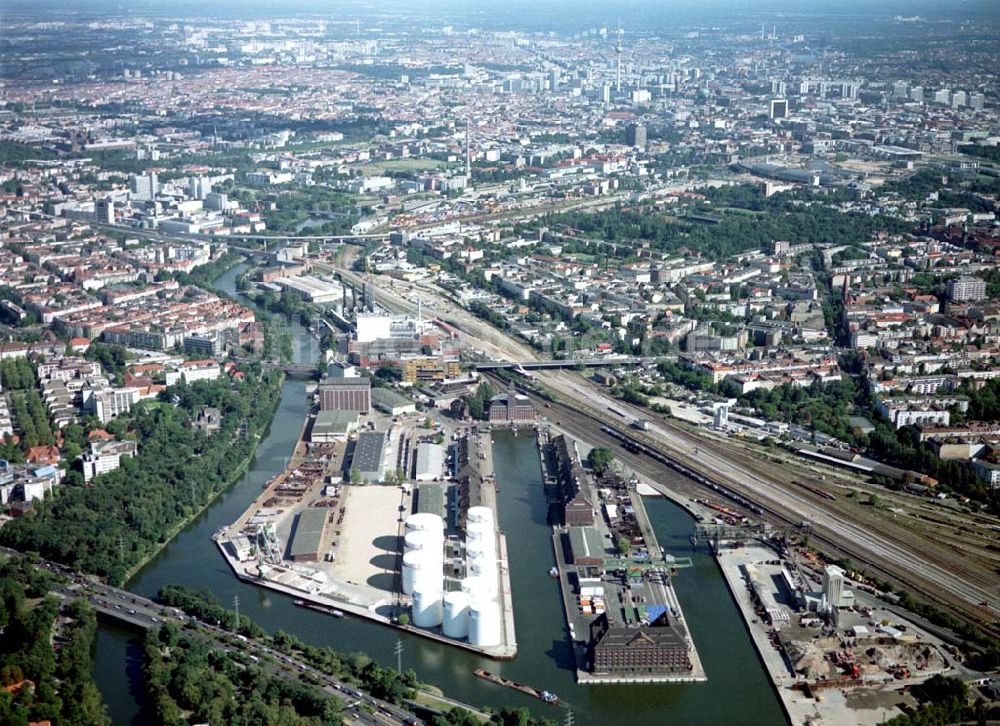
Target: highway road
141, 612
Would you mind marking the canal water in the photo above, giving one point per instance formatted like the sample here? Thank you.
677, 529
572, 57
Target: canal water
737, 691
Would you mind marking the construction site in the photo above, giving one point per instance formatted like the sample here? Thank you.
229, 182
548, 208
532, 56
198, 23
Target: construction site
835, 651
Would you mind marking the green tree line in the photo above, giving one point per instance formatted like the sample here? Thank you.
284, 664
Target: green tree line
17, 374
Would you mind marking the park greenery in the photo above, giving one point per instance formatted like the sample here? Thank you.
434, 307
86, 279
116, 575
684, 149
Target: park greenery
779, 217
128, 514
354, 668
114, 359
40, 682
822, 407
32, 418
190, 681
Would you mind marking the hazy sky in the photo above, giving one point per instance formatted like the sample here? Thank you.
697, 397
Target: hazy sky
578, 10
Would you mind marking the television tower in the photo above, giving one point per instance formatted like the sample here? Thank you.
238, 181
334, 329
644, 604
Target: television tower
468, 152
618, 56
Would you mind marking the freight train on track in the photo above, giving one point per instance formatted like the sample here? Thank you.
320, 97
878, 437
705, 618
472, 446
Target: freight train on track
636, 446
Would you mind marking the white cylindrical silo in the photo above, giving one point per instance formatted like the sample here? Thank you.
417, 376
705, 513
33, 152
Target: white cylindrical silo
427, 611
423, 539
476, 515
484, 623
456, 614
424, 521
413, 566
486, 569
481, 547
420, 566
474, 530
480, 587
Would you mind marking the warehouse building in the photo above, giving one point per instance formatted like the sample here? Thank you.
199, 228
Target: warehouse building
511, 408
313, 289
345, 394
586, 550
332, 426
306, 541
430, 462
369, 457
656, 648
392, 402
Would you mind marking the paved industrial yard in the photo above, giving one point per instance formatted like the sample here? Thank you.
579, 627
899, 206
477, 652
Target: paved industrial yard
367, 545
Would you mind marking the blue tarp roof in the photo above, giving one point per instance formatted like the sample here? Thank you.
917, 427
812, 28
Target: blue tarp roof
655, 612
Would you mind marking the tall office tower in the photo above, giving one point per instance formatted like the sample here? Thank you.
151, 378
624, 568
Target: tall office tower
778, 88
778, 108
848, 90
917, 94
942, 96
977, 101
958, 99
200, 187
145, 186
635, 135
804, 87
606, 93
104, 211
900, 89
554, 80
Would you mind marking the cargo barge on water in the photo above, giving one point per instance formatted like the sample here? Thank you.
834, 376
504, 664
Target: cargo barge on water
546, 696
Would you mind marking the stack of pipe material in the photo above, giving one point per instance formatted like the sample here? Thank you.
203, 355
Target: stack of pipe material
427, 608
484, 623
456, 614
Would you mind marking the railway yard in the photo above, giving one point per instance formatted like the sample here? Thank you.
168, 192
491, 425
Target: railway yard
937, 550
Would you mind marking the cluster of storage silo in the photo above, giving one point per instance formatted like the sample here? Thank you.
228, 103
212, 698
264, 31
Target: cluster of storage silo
423, 567
471, 612
478, 613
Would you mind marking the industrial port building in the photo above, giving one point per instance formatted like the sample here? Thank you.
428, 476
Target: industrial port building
307, 535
